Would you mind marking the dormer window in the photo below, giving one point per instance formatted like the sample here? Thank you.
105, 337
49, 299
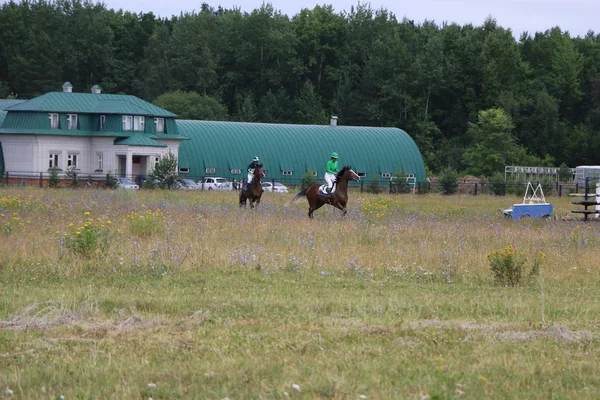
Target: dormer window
54, 121
71, 121
159, 124
127, 123
133, 123
138, 123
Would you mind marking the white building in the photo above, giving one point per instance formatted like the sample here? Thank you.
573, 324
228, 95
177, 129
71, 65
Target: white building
90, 133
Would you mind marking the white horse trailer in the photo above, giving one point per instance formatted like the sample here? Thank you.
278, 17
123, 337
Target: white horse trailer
587, 172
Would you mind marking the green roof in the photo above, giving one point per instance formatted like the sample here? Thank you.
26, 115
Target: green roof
4, 104
139, 139
91, 103
297, 148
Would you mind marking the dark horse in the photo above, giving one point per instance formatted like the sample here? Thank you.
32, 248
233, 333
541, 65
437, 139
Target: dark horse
255, 190
339, 198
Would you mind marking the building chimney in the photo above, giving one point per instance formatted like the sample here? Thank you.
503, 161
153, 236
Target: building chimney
67, 87
96, 89
333, 120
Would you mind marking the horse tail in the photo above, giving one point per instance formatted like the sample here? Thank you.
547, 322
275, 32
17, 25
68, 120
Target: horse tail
299, 195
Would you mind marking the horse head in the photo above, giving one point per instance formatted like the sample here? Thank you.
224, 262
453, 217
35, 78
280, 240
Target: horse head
259, 172
348, 174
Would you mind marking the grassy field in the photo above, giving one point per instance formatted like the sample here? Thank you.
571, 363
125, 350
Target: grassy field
164, 295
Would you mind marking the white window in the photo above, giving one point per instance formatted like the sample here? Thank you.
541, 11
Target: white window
72, 160
159, 124
102, 122
386, 175
54, 121
127, 122
362, 174
138, 123
211, 170
184, 170
53, 160
236, 171
71, 121
288, 173
99, 161
156, 160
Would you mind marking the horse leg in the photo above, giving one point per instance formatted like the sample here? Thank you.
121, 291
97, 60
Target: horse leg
242, 200
315, 207
341, 207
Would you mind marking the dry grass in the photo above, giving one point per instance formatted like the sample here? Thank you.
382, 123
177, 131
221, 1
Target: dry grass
395, 301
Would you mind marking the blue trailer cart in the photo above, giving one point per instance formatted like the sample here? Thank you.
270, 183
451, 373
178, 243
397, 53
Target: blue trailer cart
534, 205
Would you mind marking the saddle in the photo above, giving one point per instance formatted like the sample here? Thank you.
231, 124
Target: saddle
323, 190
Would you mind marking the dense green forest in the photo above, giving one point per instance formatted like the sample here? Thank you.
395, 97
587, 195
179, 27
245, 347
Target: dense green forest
473, 97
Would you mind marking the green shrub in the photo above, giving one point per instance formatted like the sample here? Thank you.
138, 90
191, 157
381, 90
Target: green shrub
91, 237
110, 182
516, 185
147, 223
498, 184
548, 186
398, 183
308, 179
71, 176
448, 181
508, 265
564, 173
53, 180
373, 186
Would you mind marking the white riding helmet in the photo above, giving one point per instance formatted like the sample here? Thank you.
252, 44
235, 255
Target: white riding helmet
255, 159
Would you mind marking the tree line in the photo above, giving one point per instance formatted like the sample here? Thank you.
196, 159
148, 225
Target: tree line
473, 97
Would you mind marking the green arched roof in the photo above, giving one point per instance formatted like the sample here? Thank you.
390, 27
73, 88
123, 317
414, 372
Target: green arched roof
298, 148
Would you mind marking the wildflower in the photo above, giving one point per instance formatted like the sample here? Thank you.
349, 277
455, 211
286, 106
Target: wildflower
296, 387
108, 222
362, 396
152, 385
58, 232
9, 392
78, 233
483, 379
87, 213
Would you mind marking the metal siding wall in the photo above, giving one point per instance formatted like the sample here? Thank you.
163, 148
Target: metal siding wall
370, 150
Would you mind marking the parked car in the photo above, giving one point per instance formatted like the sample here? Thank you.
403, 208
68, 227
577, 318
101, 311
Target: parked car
225, 186
125, 183
187, 184
211, 182
277, 188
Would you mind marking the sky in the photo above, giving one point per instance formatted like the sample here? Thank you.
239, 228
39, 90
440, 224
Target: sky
575, 16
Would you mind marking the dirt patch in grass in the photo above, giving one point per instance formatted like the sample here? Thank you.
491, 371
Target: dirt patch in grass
51, 314
507, 331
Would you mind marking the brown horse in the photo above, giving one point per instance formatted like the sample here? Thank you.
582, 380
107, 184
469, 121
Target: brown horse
255, 190
339, 198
